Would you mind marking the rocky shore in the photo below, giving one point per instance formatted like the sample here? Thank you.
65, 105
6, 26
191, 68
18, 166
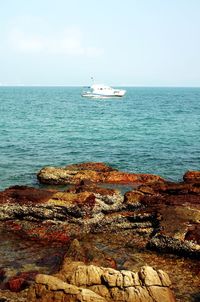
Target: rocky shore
78, 281
159, 215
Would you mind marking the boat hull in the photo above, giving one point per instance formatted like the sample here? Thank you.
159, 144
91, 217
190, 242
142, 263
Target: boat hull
99, 96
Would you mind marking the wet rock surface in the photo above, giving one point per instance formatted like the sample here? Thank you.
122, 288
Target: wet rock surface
162, 216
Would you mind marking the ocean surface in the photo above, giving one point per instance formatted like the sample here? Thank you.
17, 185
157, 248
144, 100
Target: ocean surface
150, 130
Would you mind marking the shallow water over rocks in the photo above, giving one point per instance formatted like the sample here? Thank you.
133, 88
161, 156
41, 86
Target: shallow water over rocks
130, 253
19, 255
124, 249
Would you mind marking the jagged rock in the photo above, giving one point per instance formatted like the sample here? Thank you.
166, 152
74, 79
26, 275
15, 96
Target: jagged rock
168, 244
50, 288
168, 209
90, 282
177, 216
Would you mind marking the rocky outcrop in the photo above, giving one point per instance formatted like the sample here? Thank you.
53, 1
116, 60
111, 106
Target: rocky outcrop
53, 215
177, 208
92, 172
61, 216
80, 282
167, 213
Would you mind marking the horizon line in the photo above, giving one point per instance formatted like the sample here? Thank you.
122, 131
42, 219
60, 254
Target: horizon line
131, 86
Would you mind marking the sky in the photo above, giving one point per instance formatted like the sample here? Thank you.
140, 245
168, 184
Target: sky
126, 43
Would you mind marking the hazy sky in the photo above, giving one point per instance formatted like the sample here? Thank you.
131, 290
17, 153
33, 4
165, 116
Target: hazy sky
118, 42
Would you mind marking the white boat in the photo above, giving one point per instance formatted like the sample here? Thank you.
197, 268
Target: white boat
103, 91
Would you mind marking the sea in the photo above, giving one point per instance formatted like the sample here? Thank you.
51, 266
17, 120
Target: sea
149, 130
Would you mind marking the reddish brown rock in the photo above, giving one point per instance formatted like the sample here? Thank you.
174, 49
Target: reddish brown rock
133, 198
20, 281
40, 232
91, 187
53, 215
192, 176
76, 204
178, 207
121, 177
93, 166
93, 172
171, 188
193, 233
25, 195
163, 208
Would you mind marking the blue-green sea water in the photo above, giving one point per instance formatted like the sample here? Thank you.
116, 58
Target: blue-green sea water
150, 130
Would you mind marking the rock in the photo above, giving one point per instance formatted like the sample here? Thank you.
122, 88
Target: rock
2, 274
46, 231
8, 296
57, 176
50, 288
161, 294
173, 245
94, 283
78, 205
171, 210
20, 281
177, 217
92, 187
149, 276
24, 195
92, 172
85, 253
192, 176
94, 166
132, 199
193, 233
57, 216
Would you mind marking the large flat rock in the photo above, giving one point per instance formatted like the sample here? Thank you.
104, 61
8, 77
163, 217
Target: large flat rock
92, 172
